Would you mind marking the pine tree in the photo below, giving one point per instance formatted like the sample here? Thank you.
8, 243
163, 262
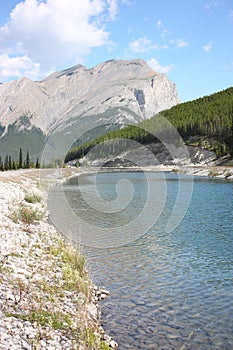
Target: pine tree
6, 163
20, 159
13, 165
10, 163
27, 165
37, 163
1, 164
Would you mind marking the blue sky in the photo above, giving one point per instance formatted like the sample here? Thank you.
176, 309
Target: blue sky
191, 41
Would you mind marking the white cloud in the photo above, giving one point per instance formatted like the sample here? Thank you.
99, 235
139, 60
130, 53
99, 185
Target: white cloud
153, 63
181, 43
17, 67
211, 5
142, 44
208, 47
113, 9
164, 30
231, 14
178, 43
159, 24
54, 33
166, 33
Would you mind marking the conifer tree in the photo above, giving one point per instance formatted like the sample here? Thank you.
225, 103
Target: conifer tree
37, 163
27, 165
1, 164
10, 163
20, 159
6, 163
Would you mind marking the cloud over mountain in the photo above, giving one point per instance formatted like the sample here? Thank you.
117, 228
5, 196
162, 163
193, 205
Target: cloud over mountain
41, 33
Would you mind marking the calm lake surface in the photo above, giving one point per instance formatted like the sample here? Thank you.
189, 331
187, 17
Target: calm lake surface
169, 290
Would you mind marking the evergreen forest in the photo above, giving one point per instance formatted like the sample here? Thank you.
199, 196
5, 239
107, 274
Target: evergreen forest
205, 122
7, 163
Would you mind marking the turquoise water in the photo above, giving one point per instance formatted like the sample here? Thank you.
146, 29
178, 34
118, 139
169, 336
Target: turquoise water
169, 290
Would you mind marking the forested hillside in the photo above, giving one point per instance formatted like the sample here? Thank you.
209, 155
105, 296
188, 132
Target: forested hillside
207, 117
205, 122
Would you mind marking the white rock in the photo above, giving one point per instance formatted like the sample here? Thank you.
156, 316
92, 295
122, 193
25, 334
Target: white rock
10, 296
80, 91
43, 343
93, 311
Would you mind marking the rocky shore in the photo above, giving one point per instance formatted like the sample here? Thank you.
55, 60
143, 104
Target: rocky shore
213, 171
47, 300
218, 172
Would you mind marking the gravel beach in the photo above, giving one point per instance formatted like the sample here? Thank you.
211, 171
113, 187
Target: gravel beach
47, 300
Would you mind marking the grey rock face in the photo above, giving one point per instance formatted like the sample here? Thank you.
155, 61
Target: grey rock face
155, 154
131, 88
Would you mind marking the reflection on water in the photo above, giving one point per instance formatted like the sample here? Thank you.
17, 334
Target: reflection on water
168, 290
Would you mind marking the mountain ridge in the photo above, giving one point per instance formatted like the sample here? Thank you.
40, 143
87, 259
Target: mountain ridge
115, 91
204, 126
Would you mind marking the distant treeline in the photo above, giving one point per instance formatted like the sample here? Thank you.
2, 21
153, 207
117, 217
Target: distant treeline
205, 122
7, 163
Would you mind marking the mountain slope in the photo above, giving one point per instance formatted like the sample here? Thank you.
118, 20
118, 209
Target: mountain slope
205, 124
113, 92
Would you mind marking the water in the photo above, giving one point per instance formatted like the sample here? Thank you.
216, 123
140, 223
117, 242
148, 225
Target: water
169, 290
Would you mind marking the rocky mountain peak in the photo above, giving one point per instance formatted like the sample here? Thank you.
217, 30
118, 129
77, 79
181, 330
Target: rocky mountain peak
115, 91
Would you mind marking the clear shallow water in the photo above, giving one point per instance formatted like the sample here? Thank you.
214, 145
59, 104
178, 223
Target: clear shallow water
168, 290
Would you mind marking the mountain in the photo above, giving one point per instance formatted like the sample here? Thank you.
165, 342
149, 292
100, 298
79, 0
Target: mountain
197, 132
47, 116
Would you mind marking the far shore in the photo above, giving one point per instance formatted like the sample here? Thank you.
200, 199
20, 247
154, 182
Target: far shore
210, 171
47, 177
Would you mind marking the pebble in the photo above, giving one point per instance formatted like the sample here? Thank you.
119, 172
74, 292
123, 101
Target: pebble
24, 262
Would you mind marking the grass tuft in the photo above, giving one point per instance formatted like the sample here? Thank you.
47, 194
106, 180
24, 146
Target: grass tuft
26, 215
72, 266
55, 320
32, 198
93, 341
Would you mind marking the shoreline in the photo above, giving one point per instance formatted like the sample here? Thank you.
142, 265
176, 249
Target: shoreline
37, 311
47, 300
213, 171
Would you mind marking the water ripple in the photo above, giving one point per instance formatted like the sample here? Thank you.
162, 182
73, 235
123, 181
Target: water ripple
172, 290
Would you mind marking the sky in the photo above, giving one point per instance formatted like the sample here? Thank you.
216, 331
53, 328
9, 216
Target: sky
191, 41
